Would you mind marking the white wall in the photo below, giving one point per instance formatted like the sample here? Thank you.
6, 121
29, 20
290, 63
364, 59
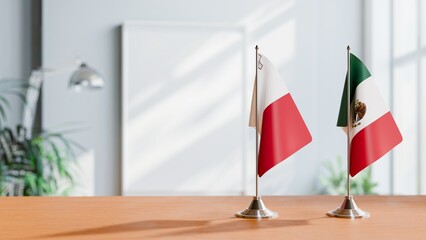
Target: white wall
306, 40
15, 47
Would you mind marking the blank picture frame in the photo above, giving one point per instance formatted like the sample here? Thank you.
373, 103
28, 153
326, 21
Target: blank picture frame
184, 103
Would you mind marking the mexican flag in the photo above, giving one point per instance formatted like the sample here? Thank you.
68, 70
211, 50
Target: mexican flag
280, 125
373, 131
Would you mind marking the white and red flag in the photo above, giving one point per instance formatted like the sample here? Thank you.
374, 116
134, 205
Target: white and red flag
373, 132
280, 125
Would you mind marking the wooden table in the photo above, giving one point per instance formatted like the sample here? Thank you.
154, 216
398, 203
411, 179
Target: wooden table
392, 217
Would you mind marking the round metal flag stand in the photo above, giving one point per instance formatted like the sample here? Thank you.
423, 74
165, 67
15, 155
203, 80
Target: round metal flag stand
348, 209
257, 209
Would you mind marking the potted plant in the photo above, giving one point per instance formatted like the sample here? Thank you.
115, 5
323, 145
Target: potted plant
41, 164
333, 181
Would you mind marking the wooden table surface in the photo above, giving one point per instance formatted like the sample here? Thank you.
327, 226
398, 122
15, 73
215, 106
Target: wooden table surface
300, 217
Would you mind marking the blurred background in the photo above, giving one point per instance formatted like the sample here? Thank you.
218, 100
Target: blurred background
172, 116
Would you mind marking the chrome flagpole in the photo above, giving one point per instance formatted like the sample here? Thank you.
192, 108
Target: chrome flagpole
257, 126
257, 208
348, 209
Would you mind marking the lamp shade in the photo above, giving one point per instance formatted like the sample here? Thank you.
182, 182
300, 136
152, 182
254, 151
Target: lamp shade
86, 77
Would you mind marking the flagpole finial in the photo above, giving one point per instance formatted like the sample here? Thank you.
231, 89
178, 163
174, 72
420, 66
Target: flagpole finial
349, 48
257, 47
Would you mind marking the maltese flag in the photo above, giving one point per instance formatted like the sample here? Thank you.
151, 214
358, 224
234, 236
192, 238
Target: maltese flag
280, 125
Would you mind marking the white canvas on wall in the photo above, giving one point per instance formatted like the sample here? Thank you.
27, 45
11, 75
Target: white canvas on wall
182, 109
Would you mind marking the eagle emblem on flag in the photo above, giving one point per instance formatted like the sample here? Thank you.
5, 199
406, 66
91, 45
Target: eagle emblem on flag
360, 109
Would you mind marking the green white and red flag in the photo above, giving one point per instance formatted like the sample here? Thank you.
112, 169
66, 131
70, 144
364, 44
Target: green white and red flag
373, 132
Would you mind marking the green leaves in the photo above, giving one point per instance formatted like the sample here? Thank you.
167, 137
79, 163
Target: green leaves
38, 165
334, 179
43, 163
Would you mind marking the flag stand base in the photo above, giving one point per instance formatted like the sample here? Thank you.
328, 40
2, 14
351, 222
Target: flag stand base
348, 209
257, 209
